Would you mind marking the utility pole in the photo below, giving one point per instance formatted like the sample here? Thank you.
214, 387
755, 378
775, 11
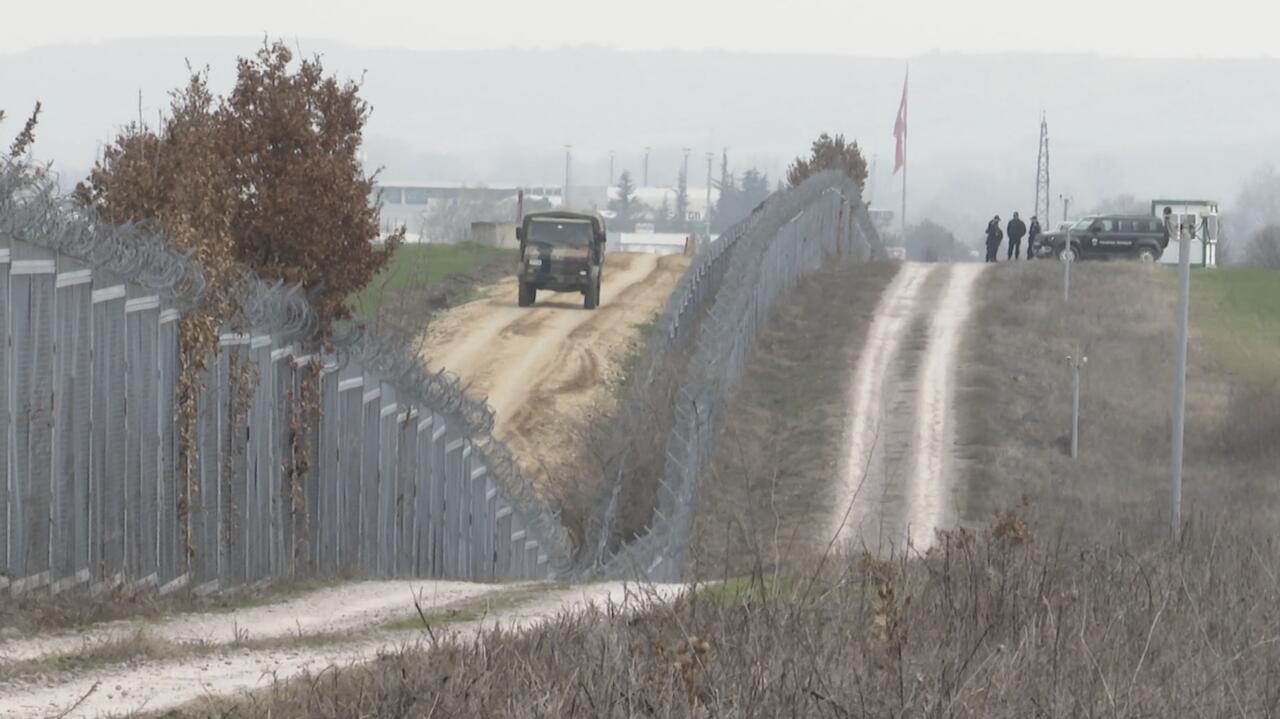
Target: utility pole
871, 180
1042, 173
611, 175
711, 156
646, 166
1066, 205
1068, 257
1180, 376
1077, 362
568, 161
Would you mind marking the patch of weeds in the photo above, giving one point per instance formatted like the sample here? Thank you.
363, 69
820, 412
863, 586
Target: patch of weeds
34, 612
474, 609
117, 650
631, 363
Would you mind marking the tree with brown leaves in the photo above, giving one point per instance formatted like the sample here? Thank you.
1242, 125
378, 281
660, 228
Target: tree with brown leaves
829, 153
268, 176
27, 136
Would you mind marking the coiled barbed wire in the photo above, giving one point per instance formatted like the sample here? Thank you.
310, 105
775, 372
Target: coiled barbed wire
34, 210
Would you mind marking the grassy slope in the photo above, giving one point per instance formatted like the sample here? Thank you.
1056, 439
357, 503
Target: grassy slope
769, 496
1237, 311
1016, 400
416, 265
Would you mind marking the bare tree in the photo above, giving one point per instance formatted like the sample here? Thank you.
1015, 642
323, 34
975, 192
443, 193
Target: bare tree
1264, 248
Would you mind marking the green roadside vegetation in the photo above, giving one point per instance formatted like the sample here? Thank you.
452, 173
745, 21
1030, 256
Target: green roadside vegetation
631, 363
415, 266
1237, 312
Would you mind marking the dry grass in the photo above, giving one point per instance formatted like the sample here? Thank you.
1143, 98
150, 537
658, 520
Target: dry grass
999, 623
613, 499
142, 645
779, 451
36, 611
1016, 406
133, 647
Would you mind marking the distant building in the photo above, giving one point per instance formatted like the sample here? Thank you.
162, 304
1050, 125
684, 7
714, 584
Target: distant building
652, 197
407, 203
495, 234
881, 219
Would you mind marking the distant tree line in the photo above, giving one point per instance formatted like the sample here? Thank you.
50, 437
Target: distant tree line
737, 197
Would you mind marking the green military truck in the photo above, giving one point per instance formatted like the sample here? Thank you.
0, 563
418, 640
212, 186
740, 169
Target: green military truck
561, 251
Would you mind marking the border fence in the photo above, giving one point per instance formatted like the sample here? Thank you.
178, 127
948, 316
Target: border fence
713, 316
401, 474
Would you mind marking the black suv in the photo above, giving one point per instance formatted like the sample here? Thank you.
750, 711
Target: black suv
1103, 237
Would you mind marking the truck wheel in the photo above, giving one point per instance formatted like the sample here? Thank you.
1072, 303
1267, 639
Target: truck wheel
1148, 255
1068, 253
591, 296
528, 294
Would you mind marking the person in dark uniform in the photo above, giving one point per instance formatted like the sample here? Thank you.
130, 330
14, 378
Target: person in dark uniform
1017, 230
1033, 236
994, 235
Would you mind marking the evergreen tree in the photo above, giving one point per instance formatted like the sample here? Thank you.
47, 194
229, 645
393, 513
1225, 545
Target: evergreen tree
680, 218
755, 188
625, 206
829, 153
662, 216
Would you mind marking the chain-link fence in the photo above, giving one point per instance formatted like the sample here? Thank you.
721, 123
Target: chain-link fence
395, 472
708, 327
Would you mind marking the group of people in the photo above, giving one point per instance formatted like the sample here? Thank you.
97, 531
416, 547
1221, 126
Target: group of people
1017, 230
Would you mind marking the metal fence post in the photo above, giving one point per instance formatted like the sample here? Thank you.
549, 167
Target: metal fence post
6, 426
1180, 376
1077, 361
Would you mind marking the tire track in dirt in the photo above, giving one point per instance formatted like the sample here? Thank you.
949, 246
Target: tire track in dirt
935, 412
158, 685
895, 475
547, 369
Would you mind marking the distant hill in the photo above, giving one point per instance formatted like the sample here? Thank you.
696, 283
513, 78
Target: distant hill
1146, 127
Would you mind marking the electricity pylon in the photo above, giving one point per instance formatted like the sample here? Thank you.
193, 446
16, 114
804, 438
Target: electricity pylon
1042, 175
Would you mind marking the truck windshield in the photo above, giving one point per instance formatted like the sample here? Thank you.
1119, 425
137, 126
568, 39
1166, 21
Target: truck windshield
575, 233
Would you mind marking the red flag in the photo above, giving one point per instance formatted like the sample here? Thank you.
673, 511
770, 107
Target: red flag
900, 129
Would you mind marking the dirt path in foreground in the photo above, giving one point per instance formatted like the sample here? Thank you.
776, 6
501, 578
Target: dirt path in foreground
348, 607
897, 468
159, 685
548, 369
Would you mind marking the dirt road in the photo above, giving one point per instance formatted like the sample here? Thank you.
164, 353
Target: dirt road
227, 664
896, 473
547, 369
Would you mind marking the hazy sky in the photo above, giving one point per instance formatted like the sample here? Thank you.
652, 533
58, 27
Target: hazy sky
1172, 28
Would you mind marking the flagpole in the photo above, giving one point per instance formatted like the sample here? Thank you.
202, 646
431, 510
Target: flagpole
906, 81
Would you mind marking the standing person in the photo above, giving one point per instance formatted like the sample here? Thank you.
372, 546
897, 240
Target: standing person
994, 235
1033, 236
1017, 229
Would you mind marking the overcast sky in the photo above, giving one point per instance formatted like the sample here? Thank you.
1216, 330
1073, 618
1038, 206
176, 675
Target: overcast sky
894, 28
